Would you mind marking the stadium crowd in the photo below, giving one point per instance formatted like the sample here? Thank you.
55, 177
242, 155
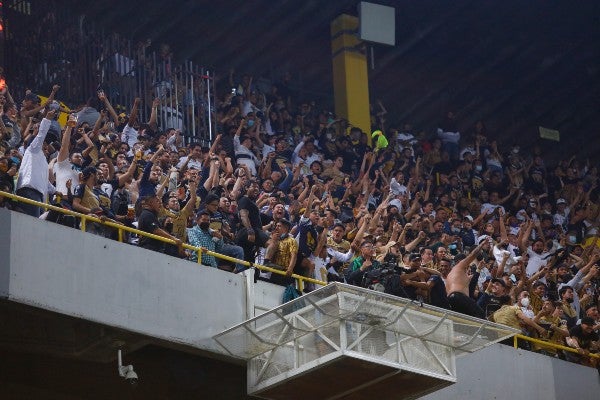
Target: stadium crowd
457, 220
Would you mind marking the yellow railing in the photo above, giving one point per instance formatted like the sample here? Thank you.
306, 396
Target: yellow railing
544, 343
301, 280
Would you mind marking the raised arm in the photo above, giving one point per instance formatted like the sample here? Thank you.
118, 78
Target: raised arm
134, 111
191, 204
153, 114
109, 107
63, 154
420, 237
466, 262
128, 174
525, 238
31, 113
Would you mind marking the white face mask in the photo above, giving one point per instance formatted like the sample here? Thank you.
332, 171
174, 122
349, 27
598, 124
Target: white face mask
525, 301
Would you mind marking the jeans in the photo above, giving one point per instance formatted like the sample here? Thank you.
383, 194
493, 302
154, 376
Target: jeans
234, 251
31, 194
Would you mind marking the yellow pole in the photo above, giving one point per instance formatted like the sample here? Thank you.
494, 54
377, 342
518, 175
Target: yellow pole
350, 76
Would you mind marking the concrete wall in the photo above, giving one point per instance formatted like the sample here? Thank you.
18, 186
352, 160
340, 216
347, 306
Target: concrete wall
65, 270
503, 373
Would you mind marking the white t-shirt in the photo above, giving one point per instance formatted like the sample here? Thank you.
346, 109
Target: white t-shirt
196, 164
535, 261
64, 171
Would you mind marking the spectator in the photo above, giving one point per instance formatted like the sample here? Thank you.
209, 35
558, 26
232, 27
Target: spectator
514, 317
148, 222
549, 318
365, 262
33, 173
457, 287
282, 252
251, 234
220, 225
583, 338
208, 239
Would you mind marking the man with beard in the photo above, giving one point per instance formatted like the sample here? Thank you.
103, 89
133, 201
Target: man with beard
536, 253
150, 176
251, 234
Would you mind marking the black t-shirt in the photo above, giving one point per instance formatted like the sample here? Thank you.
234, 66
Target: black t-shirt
583, 338
245, 203
148, 222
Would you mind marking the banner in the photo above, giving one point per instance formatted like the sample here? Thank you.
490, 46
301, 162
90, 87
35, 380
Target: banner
549, 134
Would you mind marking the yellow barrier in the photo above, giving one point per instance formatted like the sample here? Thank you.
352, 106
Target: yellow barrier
120, 227
550, 344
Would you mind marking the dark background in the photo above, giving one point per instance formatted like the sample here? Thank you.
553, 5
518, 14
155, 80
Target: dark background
516, 65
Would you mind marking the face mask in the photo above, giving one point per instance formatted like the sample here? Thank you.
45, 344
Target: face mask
204, 225
329, 136
478, 168
250, 123
525, 301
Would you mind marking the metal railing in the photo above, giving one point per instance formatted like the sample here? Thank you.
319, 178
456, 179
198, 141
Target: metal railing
552, 345
301, 280
80, 56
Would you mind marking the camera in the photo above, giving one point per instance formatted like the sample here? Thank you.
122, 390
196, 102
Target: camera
390, 261
130, 375
126, 371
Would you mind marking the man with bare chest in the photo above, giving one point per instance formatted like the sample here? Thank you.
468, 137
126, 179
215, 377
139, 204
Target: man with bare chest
457, 287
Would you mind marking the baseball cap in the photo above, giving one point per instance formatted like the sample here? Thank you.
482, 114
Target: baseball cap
561, 201
414, 256
500, 281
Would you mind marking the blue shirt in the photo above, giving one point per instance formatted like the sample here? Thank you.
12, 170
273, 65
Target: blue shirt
201, 238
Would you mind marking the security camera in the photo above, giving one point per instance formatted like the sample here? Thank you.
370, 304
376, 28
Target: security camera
126, 371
